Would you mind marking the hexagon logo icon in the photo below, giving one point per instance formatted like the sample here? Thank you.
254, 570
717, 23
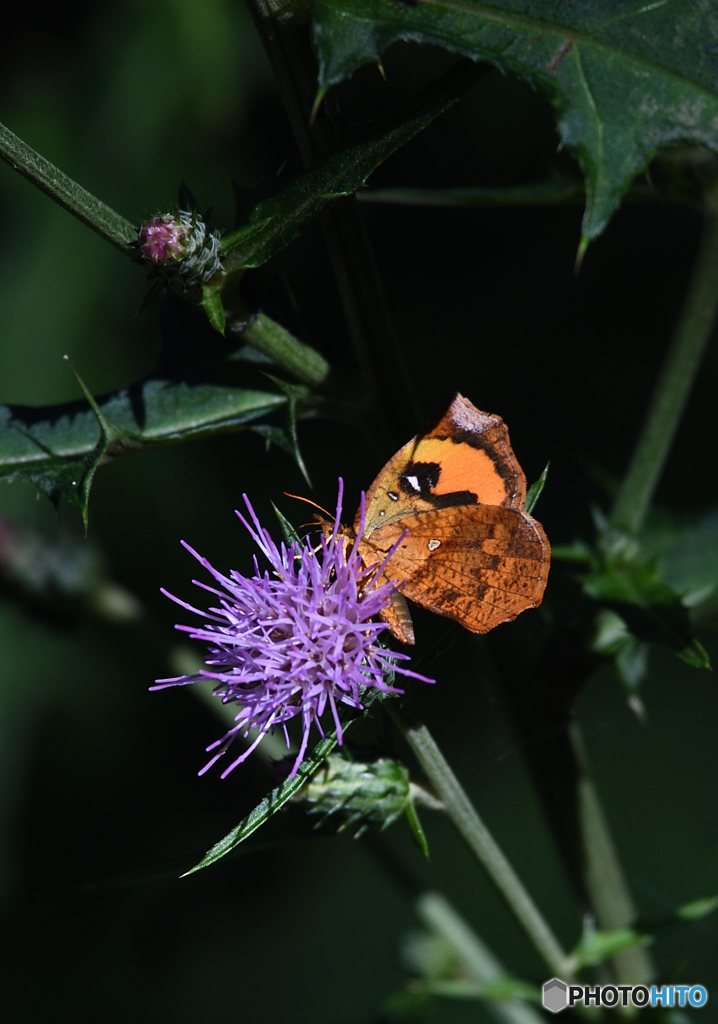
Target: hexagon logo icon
555, 995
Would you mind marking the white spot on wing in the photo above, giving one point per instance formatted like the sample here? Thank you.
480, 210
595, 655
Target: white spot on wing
413, 482
433, 545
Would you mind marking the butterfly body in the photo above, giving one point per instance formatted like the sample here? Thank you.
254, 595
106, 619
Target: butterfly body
451, 504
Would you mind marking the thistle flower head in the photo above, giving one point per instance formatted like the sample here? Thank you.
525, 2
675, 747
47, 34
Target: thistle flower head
298, 641
182, 245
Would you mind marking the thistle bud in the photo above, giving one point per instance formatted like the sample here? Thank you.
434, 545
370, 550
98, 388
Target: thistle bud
369, 794
181, 246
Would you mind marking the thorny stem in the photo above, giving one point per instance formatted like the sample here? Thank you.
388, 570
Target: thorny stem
482, 844
674, 384
275, 341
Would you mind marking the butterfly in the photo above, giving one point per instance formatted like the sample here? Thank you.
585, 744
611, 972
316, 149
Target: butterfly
451, 504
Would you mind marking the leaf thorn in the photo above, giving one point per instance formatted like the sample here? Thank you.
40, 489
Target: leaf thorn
580, 253
318, 100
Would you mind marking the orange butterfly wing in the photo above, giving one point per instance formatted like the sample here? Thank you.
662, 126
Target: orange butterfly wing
479, 564
470, 551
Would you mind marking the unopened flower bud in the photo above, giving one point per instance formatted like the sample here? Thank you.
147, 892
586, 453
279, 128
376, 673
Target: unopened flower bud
370, 794
182, 246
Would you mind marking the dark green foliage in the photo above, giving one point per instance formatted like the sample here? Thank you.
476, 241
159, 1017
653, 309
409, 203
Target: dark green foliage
624, 78
58, 448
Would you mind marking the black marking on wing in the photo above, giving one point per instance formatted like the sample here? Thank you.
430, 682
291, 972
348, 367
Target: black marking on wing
427, 476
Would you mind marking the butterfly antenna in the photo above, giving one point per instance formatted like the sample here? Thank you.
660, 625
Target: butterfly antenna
309, 502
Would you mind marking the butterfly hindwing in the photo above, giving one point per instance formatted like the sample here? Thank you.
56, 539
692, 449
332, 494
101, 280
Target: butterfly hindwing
479, 564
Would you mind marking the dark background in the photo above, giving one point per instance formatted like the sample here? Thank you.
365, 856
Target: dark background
100, 804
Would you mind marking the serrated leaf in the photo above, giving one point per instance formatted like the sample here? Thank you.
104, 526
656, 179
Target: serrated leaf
295, 393
624, 77
113, 441
58, 448
275, 222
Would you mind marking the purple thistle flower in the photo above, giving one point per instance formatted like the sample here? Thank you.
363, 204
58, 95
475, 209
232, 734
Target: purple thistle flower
295, 642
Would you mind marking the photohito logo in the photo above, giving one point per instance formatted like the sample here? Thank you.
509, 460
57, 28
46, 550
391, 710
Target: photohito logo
557, 995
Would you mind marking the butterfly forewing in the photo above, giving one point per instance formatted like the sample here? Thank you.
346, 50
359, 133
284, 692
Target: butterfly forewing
464, 459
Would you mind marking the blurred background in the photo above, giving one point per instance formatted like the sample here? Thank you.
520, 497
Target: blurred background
100, 804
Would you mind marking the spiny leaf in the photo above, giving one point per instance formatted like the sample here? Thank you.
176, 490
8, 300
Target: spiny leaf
695, 654
623, 77
58, 448
113, 441
286, 439
624, 577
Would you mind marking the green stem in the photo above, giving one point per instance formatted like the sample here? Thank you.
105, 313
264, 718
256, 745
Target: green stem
482, 844
674, 385
610, 896
292, 355
478, 962
554, 192
63, 190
